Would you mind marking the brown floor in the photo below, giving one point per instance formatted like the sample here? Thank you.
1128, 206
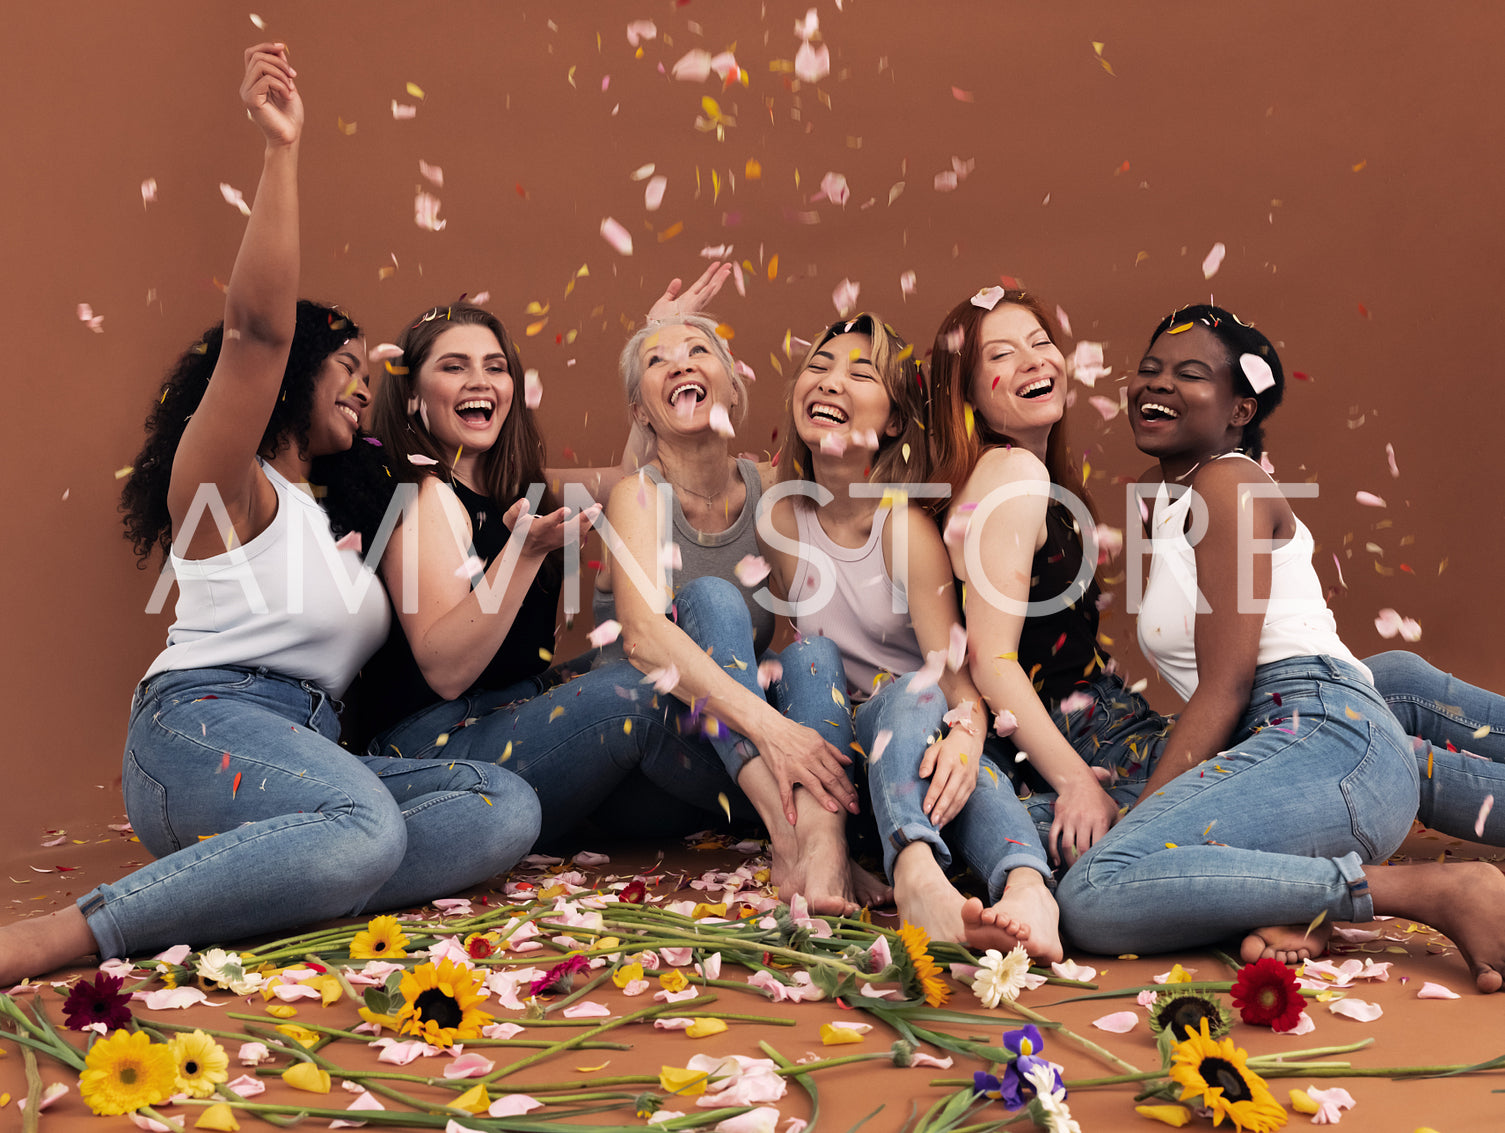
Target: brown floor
1412, 1031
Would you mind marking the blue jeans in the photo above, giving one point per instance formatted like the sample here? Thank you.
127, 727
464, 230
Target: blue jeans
606, 731
993, 832
260, 821
1116, 730
1272, 832
1437, 709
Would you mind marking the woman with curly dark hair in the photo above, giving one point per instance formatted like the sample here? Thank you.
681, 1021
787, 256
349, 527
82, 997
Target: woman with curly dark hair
232, 773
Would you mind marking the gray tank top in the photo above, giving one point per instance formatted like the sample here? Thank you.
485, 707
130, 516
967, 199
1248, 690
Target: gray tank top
701, 553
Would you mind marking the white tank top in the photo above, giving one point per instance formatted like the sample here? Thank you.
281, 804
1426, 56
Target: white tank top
860, 616
1297, 620
288, 601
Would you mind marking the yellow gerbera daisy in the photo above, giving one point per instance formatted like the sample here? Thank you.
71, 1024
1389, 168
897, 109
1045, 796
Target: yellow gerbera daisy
439, 1003
932, 983
1216, 1074
127, 1071
380, 940
202, 1063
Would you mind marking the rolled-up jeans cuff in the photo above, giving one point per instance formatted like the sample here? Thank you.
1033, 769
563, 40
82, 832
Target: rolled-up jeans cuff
1351, 866
1020, 859
908, 834
107, 936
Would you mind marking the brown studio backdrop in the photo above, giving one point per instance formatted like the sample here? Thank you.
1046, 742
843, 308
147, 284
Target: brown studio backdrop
1346, 154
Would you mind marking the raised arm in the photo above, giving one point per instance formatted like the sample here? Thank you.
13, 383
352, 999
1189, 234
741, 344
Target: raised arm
219, 444
950, 764
794, 754
1227, 638
995, 560
452, 629
638, 451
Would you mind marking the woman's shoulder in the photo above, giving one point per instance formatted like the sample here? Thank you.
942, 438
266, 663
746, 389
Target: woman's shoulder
1008, 463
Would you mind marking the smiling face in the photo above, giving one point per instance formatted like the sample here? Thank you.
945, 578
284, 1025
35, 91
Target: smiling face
683, 379
839, 400
1019, 382
463, 389
342, 389
1183, 406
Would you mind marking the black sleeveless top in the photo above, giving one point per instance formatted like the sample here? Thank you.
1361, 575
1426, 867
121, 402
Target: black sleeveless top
391, 687
1058, 650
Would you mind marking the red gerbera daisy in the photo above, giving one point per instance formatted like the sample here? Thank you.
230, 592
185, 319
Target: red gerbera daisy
1266, 994
97, 1001
560, 976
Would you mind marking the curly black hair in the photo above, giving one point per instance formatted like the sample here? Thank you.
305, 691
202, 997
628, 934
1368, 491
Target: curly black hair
1238, 338
358, 484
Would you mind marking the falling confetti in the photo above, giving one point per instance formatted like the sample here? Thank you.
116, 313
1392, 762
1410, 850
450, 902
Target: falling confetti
617, 236
1213, 261
234, 196
1484, 808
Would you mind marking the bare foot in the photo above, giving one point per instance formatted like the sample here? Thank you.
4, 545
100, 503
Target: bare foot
37, 946
1028, 904
925, 896
1463, 900
869, 890
1288, 943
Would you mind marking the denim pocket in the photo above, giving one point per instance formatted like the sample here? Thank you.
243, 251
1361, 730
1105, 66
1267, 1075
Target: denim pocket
1381, 795
146, 807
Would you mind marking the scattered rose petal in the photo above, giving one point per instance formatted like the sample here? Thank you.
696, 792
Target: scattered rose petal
663, 680
513, 1104
768, 672
907, 284
1430, 990
432, 173
1369, 499
1304, 1025
833, 187
586, 1009
1005, 723
169, 998
764, 1119
1484, 808
364, 1102
1213, 261
532, 389
653, 195
845, 297
1087, 363
234, 196
605, 633
639, 30
1356, 1009
617, 236
751, 570
426, 212
1106, 406
812, 63
469, 1066
720, 421
1071, 970
1118, 1023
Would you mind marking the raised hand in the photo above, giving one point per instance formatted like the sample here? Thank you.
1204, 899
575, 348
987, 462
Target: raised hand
672, 303
269, 93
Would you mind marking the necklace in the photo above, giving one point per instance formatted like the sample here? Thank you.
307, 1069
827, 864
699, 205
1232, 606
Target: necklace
708, 497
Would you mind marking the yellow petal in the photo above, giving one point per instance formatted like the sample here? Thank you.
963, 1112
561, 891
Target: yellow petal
833, 1035
674, 979
1179, 975
307, 1076
1302, 1102
1177, 1115
704, 910
681, 1081
219, 1116
329, 988
700, 1028
626, 974
282, 1011
301, 1035
474, 1100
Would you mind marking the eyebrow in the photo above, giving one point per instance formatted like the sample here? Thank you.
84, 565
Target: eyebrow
466, 357
351, 355
823, 353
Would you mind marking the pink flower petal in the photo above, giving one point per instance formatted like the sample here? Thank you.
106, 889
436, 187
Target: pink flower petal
721, 421
845, 297
248, 1086
469, 1066
1071, 970
1484, 808
605, 633
1369, 499
833, 186
639, 30
431, 173
366, 1101
751, 570
811, 63
532, 389
1118, 1023
586, 1009
170, 998
1430, 990
1356, 1009
1304, 1026
513, 1104
1330, 1104
617, 236
502, 1030
1213, 260
402, 1053
174, 955
880, 744
1106, 406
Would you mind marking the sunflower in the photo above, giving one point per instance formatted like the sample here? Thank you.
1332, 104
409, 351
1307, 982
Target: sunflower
1181, 1012
440, 1003
97, 1001
927, 972
381, 939
1267, 995
1215, 1073
127, 1071
202, 1063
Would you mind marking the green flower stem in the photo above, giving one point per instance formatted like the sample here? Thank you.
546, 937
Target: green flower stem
32, 1114
1314, 1052
800, 1075
173, 1123
570, 1044
334, 970
1196, 986
746, 1018
618, 1080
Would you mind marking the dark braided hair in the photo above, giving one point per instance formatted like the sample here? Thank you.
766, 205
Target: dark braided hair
1238, 338
358, 485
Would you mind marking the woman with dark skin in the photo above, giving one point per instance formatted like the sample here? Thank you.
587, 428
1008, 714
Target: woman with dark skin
1311, 780
233, 776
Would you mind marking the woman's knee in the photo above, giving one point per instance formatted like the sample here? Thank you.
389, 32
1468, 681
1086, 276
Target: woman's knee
1399, 671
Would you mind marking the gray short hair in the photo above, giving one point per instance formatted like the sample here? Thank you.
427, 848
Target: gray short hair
631, 363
